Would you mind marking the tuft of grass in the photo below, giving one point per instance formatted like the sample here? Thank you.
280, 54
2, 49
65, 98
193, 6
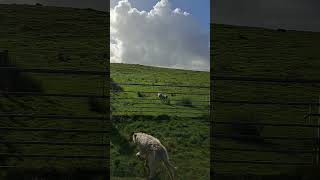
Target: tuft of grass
187, 102
140, 94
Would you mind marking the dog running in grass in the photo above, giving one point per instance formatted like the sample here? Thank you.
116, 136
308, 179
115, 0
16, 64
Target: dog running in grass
153, 152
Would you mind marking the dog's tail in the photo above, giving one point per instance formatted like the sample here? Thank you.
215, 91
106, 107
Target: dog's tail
172, 170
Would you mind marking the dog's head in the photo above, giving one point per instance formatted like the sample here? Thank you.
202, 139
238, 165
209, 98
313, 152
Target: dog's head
133, 137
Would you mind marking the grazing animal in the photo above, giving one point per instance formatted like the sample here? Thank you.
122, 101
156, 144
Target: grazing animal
163, 97
153, 152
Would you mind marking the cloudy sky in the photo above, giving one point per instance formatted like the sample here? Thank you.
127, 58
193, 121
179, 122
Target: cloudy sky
165, 33
160, 34
288, 14
200, 9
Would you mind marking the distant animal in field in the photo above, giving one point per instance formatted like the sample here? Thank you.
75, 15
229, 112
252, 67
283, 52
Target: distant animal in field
152, 151
163, 97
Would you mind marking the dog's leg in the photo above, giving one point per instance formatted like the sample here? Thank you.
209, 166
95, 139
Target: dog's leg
152, 165
146, 168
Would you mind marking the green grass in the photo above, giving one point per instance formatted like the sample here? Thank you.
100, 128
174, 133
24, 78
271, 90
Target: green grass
184, 130
264, 53
34, 37
181, 99
52, 37
37, 36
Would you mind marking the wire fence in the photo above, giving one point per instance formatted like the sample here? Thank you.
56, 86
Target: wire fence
179, 100
102, 132
312, 160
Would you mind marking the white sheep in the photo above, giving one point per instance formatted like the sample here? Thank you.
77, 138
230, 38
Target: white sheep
163, 97
152, 151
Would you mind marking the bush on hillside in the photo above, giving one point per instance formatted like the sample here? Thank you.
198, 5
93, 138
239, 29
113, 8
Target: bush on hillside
185, 102
115, 87
140, 94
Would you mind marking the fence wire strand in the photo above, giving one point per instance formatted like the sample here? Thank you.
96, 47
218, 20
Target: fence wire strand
217, 149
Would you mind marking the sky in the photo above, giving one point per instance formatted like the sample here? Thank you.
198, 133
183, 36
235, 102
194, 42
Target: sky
199, 9
164, 33
288, 14
159, 34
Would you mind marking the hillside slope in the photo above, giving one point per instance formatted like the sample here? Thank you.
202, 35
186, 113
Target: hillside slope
182, 128
257, 52
53, 38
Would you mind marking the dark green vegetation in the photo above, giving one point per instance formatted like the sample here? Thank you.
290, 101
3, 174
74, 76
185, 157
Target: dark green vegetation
52, 38
181, 123
258, 52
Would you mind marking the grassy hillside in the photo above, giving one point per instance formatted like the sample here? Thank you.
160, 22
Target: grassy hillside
51, 37
257, 52
184, 101
183, 130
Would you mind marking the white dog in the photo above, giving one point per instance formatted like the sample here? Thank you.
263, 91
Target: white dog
152, 151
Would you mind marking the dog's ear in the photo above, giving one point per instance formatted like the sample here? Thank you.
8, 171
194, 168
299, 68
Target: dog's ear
134, 136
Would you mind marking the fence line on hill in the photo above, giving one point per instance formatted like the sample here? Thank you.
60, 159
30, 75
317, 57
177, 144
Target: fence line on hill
232, 101
19, 93
48, 116
60, 130
56, 143
169, 92
52, 156
216, 149
48, 143
147, 99
171, 105
164, 85
195, 105
223, 136
146, 111
148, 107
264, 80
266, 150
259, 162
54, 71
12, 93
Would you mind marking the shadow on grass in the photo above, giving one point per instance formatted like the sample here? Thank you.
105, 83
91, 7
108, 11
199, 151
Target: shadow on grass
123, 142
13, 80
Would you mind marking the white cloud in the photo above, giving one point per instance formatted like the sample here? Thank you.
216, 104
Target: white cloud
163, 37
